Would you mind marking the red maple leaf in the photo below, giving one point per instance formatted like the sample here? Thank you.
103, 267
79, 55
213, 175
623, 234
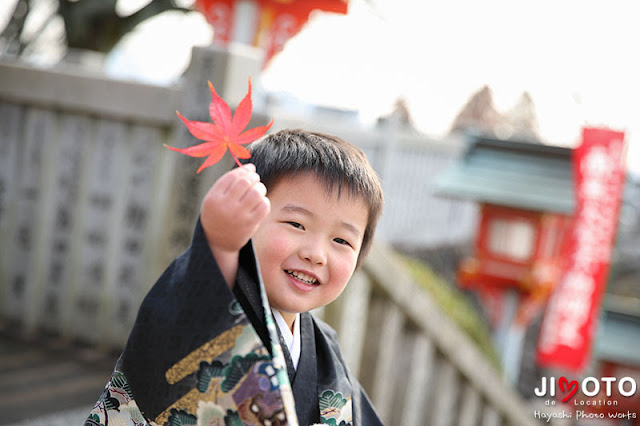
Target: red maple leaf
225, 131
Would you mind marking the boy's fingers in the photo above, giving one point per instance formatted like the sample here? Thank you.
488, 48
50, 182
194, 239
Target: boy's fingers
250, 167
261, 209
262, 190
242, 184
227, 180
223, 183
254, 195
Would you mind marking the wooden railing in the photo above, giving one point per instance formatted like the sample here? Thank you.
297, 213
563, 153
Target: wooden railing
92, 208
418, 367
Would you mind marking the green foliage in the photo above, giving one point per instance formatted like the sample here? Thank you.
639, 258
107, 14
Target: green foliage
329, 399
95, 419
238, 368
207, 372
232, 419
181, 418
120, 381
454, 303
111, 403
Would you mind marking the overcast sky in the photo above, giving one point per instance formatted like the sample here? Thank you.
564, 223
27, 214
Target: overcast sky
578, 60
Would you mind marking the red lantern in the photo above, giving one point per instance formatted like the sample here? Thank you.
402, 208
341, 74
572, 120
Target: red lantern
518, 249
272, 23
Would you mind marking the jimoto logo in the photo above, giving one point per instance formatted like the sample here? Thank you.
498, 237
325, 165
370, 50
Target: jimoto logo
588, 398
590, 387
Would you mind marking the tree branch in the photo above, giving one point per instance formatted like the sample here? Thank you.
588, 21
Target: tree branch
12, 32
152, 9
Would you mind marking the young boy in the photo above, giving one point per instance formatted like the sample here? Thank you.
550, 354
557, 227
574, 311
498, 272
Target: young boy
300, 219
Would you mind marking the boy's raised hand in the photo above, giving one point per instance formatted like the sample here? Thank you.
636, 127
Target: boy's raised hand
230, 214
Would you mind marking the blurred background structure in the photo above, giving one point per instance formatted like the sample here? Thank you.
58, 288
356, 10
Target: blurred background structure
92, 207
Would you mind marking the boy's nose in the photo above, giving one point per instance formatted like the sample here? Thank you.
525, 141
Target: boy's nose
314, 252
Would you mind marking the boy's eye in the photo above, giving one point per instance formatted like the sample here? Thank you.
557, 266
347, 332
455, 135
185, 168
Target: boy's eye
341, 241
296, 225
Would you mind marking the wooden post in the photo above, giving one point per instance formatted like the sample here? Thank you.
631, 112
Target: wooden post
11, 117
420, 375
29, 225
470, 407
388, 342
447, 383
63, 185
349, 315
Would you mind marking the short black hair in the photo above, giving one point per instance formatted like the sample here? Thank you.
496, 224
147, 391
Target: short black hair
337, 163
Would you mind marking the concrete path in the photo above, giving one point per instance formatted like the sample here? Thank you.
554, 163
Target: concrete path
66, 418
49, 382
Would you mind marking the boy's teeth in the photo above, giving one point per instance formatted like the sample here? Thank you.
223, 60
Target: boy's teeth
302, 277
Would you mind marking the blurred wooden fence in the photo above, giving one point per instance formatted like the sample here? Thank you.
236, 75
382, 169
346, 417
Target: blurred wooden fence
415, 363
92, 208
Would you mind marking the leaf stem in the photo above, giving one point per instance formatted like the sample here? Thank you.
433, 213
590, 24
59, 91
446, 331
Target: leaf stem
235, 158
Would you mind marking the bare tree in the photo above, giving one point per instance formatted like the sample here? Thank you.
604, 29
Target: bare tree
11, 33
521, 121
479, 113
88, 24
400, 115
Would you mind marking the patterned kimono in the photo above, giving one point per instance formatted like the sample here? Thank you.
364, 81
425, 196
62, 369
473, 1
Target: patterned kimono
200, 354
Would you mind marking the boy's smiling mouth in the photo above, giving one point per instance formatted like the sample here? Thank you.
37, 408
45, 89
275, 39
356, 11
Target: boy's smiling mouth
301, 276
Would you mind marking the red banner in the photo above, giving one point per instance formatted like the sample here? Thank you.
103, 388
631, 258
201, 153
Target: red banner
276, 21
572, 314
219, 14
282, 19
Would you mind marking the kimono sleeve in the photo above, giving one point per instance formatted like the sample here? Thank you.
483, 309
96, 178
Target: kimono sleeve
194, 356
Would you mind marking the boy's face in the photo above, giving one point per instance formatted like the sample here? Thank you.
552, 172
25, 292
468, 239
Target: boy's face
308, 245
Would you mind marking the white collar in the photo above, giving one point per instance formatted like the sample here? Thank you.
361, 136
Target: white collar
291, 339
